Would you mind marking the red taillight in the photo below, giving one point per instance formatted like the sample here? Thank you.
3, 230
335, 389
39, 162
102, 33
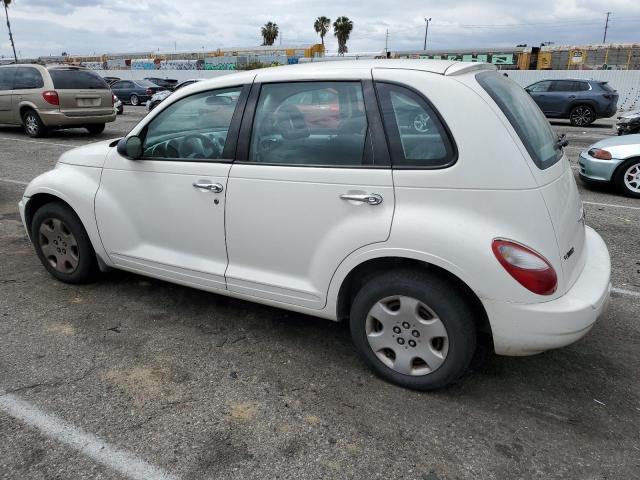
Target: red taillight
529, 268
51, 97
600, 154
113, 99
149, 91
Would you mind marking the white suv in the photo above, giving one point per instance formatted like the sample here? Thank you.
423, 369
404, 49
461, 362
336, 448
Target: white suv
426, 202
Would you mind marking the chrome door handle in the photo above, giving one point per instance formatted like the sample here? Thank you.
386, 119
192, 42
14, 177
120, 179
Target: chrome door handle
212, 187
370, 198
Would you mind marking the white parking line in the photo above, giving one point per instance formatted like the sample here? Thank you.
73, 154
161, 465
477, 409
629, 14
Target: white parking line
86, 443
17, 182
622, 291
611, 205
39, 141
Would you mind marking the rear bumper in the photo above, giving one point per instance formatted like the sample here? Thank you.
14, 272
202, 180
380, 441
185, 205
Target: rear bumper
527, 329
60, 119
595, 169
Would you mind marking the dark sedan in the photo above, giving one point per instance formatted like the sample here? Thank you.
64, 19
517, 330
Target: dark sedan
168, 83
135, 92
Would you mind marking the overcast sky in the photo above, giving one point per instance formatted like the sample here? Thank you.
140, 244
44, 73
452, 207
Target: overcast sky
47, 27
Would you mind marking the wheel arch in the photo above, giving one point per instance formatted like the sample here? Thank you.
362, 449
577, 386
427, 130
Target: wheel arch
583, 102
24, 106
360, 273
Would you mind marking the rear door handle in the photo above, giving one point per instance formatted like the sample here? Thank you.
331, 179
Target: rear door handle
369, 198
212, 187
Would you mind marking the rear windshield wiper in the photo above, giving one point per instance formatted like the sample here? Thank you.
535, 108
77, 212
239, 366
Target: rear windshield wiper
562, 141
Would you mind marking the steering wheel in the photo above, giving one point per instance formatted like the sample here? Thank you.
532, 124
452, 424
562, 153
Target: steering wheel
197, 145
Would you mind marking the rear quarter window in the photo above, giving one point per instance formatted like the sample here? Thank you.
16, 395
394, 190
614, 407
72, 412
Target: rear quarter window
77, 80
525, 116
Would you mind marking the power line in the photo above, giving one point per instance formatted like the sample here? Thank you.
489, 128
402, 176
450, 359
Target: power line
606, 27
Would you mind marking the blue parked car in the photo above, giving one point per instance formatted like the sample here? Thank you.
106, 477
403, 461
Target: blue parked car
581, 101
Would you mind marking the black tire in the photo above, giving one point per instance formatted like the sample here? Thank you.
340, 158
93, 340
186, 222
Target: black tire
582, 116
87, 265
153, 105
619, 177
96, 129
442, 297
134, 100
32, 124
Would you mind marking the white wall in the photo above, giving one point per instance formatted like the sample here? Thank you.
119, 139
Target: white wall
179, 75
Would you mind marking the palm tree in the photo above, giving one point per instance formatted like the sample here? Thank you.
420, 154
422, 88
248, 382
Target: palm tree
269, 33
342, 28
6, 4
322, 26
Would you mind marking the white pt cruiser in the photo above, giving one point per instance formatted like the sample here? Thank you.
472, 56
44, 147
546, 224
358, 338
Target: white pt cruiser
426, 202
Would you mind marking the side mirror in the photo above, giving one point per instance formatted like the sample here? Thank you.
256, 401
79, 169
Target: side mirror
130, 147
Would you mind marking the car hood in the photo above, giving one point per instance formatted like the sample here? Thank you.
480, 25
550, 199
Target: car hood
92, 155
161, 95
621, 147
630, 115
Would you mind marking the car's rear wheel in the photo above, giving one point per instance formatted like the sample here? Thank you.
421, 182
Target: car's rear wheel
135, 101
62, 244
96, 129
582, 115
413, 329
33, 126
627, 178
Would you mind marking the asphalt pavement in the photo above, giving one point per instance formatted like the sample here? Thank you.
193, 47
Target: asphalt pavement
132, 378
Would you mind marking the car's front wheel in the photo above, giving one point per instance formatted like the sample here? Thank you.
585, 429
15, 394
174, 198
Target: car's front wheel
95, 129
582, 115
135, 101
62, 244
414, 329
627, 178
33, 126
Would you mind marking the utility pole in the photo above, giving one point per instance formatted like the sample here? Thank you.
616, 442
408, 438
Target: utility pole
386, 44
15, 57
606, 27
426, 32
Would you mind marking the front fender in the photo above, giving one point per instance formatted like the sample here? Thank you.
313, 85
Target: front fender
76, 186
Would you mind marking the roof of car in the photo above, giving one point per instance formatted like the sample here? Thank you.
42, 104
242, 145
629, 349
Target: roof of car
442, 67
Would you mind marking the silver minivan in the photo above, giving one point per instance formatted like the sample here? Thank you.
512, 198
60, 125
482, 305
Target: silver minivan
42, 98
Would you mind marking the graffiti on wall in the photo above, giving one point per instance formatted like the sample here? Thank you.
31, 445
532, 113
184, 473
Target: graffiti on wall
495, 58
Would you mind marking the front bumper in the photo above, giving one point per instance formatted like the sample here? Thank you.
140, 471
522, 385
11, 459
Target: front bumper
595, 169
60, 120
527, 329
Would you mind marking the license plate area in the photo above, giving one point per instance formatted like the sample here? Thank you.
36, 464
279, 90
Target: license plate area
88, 102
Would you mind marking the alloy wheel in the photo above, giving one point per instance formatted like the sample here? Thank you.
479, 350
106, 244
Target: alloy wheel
59, 245
31, 124
632, 178
582, 116
406, 335
134, 100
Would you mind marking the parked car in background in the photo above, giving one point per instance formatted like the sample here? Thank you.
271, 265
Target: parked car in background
613, 160
135, 92
118, 105
427, 241
42, 98
168, 83
155, 100
628, 123
111, 80
581, 101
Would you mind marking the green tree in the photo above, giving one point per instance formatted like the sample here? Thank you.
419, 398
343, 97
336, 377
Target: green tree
342, 28
322, 26
6, 4
269, 33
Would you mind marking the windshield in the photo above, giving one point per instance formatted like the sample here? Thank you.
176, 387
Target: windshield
525, 116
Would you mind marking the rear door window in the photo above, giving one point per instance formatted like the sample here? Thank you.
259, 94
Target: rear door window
580, 86
27, 78
417, 136
73, 79
525, 116
6, 78
562, 86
